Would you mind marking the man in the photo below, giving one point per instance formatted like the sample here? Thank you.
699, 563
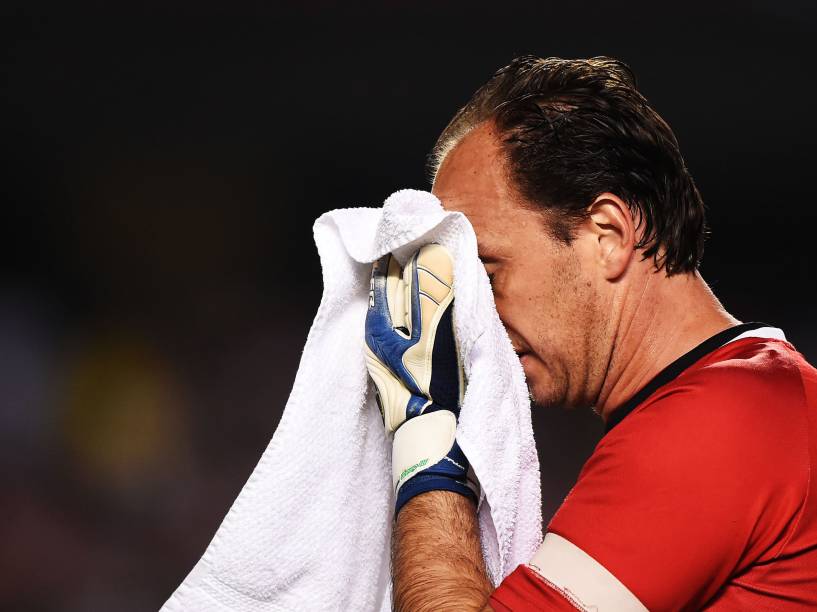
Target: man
591, 230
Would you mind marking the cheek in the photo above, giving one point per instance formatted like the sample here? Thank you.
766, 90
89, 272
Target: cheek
524, 303
544, 305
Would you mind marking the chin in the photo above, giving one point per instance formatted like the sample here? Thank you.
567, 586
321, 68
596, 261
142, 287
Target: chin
545, 390
546, 395
538, 402
546, 387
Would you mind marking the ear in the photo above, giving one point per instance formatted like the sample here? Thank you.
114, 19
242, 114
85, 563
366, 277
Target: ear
611, 225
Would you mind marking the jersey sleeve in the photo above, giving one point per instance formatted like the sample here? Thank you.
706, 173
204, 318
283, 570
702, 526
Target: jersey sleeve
686, 492
525, 591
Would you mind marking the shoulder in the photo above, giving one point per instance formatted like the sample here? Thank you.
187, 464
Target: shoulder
719, 455
743, 400
727, 440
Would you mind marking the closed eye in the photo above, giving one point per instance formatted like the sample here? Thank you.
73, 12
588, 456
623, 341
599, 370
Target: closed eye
491, 265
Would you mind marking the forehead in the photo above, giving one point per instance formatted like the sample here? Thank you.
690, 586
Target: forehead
473, 180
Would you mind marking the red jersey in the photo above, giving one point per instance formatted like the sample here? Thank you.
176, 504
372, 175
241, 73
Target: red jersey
699, 496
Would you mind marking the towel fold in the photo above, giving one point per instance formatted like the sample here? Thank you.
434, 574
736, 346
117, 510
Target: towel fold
311, 528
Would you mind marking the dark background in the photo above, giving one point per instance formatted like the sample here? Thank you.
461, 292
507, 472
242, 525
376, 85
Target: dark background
161, 170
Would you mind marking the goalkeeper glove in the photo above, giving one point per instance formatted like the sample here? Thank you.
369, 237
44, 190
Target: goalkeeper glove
412, 357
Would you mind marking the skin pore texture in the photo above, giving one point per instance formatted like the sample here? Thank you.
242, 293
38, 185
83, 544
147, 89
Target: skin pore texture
592, 323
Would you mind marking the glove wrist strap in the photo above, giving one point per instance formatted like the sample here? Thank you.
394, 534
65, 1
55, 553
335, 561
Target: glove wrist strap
426, 457
423, 483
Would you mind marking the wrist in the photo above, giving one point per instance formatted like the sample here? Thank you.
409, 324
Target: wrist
426, 457
428, 481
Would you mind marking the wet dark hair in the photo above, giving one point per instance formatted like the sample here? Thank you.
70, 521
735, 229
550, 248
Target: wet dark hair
574, 129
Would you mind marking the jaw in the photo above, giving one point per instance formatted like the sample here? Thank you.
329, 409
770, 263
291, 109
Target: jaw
547, 388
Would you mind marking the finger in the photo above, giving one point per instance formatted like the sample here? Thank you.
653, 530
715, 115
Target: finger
429, 277
386, 343
396, 297
378, 314
436, 269
434, 274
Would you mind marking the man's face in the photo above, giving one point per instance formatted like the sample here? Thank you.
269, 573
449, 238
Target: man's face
546, 292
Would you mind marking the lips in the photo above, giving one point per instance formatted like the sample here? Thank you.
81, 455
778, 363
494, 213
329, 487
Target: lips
524, 359
522, 352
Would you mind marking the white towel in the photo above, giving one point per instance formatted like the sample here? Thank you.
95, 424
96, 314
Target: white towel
311, 529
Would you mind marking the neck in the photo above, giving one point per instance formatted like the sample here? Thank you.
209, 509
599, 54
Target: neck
663, 319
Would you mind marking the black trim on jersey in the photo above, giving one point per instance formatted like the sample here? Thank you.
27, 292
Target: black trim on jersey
673, 370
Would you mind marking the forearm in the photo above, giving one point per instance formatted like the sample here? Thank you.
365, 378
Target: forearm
437, 558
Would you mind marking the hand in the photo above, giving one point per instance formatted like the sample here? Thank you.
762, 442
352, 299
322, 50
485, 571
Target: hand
412, 357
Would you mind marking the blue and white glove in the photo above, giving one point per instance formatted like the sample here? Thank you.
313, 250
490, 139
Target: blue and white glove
412, 357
